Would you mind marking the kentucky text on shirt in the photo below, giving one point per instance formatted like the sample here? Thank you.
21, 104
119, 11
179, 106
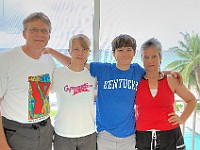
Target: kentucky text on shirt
120, 84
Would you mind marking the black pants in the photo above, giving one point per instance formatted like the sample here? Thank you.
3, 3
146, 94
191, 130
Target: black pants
164, 140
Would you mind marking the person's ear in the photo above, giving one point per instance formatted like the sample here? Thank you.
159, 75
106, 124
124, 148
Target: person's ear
49, 36
114, 55
24, 34
69, 51
134, 52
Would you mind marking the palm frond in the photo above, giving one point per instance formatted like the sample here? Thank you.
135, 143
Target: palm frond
189, 54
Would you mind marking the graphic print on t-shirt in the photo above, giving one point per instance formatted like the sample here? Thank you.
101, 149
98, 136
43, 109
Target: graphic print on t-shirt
77, 89
120, 84
38, 105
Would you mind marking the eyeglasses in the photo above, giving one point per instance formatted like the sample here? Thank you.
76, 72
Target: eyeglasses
36, 30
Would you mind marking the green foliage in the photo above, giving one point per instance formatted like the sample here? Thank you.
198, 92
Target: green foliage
198, 106
53, 113
179, 107
189, 53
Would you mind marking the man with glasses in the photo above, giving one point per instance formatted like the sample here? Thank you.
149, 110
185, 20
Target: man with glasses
25, 78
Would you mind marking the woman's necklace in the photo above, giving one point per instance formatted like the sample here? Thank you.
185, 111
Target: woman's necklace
159, 76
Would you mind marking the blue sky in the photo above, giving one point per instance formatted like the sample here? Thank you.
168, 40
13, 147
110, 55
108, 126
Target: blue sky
142, 19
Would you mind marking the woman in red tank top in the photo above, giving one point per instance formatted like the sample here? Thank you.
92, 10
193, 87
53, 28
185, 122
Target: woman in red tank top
157, 124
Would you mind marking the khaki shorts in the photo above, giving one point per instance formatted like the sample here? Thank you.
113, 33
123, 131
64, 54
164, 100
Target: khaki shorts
106, 141
82, 143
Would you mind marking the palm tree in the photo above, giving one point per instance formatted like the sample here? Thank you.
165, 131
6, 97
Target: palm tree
189, 63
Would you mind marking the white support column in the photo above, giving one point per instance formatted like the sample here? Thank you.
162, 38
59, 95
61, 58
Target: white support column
96, 28
194, 127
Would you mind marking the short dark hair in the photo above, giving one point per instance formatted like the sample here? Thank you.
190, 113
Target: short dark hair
123, 40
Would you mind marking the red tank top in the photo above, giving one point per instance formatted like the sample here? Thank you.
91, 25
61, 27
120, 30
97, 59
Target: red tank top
152, 112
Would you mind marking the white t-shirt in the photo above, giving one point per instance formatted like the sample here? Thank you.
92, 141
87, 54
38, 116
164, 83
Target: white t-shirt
24, 86
75, 98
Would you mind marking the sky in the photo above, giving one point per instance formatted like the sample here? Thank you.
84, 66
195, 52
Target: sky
142, 19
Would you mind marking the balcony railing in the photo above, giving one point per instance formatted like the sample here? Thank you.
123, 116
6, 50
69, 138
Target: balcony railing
194, 122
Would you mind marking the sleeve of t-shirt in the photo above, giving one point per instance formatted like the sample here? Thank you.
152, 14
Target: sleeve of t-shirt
54, 78
50, 60
97, 68
3, 79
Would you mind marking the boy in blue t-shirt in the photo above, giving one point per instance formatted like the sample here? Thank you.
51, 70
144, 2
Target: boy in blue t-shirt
117, 85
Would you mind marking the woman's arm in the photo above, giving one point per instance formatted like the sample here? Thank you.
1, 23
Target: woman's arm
183, 92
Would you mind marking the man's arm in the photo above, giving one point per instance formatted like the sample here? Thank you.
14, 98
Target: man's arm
63, 59
3, 143
3, 86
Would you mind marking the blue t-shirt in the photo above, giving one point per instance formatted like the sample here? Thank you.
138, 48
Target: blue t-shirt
116, 97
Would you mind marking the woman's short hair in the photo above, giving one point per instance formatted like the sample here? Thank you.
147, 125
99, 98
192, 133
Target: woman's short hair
152, 43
